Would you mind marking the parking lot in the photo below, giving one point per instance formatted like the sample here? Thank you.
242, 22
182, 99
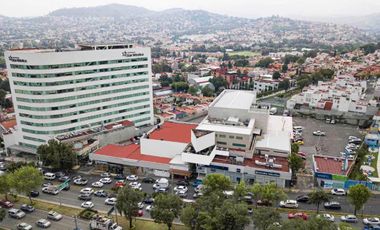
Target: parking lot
331, 144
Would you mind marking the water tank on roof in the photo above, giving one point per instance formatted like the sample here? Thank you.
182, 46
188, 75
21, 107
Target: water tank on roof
78, 145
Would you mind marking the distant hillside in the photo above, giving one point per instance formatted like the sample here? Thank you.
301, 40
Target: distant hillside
369, 22
111, 10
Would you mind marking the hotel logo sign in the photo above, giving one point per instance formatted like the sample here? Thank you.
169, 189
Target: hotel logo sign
131, 54
16, 59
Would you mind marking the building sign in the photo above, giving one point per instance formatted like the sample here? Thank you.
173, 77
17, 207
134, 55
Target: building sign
16, 59
265, 173
323, 176
131, 54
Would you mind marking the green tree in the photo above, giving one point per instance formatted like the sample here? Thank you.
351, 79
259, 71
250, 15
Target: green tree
358, 195
276, 75
58, 155
240, 190
272, 193
180, 86
166, 208
26, 179
216, 183
207, 91
188, 216
218, 83
127, 203
295, 148
284, 68
232, 215
295, 163
285, 84
318, 197
3, 93
263, 218
3, 213
312, 224
5, 185
264, 63
192, 90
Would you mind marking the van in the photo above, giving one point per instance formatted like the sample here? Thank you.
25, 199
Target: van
49, 176
16, 213
298, 128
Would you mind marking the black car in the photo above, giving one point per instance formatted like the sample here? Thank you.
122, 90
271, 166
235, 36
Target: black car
332, 205
148, 180
303, 198
111, 195
85, 197
120, 177
149, 200
34, 193
64, 178
101, 193
27, 208
183, 182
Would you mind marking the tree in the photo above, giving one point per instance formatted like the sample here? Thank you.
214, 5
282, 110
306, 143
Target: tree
26, 179
127, 203
165, 81
207, 91
216, 183
232, 215
276, 75
272, 193
295, 163
188, 216
166, 208
240, 190
3, 93
264, 63
3, 213
192, 90
284, 68
317, 197
312, 224
285, 84
218, 83
5, 185
180, 86
58, 155
358, 195
265, 217
295, 148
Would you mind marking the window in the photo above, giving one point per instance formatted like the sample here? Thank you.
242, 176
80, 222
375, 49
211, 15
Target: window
222, 136
239, 145
231, 137
238, 170
239, 138
221, 143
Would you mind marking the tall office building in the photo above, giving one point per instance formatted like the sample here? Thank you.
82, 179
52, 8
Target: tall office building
60, 92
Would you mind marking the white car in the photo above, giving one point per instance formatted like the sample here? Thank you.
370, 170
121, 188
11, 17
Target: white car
106, 180
87, 191
87, 204
338, 192
97, 184
80, 181
43, 223
141, 205
371, 221
327, 217
319, 133
289, 204
105, 174
349, 219
135, 184
181, 193
114, 226
54, 216
110, 201
181, 188
149, 208
24, 226
132, 178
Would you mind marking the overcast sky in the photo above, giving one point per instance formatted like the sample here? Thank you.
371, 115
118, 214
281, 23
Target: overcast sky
242, 8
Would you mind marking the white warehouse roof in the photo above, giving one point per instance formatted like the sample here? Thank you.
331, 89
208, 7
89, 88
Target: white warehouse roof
235, 99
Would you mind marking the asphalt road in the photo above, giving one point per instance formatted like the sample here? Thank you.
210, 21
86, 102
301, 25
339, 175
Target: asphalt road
31, 218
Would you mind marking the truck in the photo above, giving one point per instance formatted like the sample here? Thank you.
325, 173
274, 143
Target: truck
103, 223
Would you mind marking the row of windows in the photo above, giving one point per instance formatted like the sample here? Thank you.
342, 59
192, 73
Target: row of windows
231, 137
27, 145
52, 92
85, 111
81, 72
79, 64
84, 118
238, 145
73, 98
63, 131
34, 139
68, 82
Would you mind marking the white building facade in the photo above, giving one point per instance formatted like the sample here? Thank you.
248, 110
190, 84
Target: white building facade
56, 92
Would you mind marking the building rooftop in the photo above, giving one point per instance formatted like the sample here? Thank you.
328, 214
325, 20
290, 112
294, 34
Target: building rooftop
173, 131
8, 124
131, 151
331, 165
276, 140
235, 99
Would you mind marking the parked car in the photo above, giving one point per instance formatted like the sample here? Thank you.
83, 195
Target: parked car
149, 208
16, 213
302, 198
372, 227
86, 191
183, 183
338, 192
349, 219
64, 178
197, 195
300, 215
80, 181
24, 226
87, 204
106, 180
6, 204
332, 205
181, 193
97, 184
371, 221
326, 216
100, 193
132, 178
181, 187
105, 174
289, 204
120, 183
34, 193
54, 216
110, 201
85, 196
120, 177
319, 133
149, 200
49, 176
149, 180
27, 208
50, 190
43, 223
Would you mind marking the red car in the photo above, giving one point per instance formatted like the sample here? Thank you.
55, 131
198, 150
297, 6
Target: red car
6, 204
140, 213
300, 215
119, 183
